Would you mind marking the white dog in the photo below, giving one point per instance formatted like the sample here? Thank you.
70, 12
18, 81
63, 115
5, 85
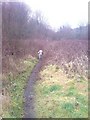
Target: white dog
40, 53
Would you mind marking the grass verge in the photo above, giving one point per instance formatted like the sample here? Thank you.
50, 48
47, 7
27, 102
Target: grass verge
60, 97
16, 87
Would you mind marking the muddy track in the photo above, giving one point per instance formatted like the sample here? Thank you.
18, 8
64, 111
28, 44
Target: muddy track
29, 94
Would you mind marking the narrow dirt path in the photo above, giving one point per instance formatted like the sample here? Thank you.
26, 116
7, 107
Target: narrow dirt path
29, 94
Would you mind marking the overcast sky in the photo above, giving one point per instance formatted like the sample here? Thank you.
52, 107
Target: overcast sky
62, 12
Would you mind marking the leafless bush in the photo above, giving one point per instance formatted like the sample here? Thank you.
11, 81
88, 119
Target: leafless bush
71, 55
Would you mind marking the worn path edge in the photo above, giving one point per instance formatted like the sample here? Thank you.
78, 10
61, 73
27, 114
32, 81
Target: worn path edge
29, 93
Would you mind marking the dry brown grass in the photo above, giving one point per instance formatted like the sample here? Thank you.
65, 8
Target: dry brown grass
70, 55
12, 64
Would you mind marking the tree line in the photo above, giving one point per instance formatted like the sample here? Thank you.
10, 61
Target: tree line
19, 22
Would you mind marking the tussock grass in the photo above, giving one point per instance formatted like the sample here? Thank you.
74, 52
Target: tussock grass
60, 97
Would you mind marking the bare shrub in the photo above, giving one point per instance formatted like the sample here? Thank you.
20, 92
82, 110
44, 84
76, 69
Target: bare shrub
71, 55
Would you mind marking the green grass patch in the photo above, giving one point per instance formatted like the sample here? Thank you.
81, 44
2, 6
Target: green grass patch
82, 99
52, 88
54, 100
72, 91
69, 107
16, 89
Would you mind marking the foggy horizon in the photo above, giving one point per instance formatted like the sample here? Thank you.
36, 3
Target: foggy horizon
61, 13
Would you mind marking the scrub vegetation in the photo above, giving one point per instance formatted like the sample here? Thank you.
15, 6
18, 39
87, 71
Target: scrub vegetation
61, 87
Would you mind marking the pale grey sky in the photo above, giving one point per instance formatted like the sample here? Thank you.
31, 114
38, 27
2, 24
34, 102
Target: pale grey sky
61, 12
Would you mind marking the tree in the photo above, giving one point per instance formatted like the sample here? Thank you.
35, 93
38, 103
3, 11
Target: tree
15, 19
